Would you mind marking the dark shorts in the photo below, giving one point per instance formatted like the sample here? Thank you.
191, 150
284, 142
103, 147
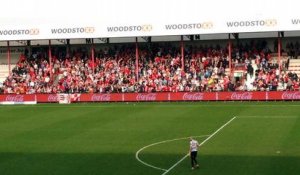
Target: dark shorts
194, 154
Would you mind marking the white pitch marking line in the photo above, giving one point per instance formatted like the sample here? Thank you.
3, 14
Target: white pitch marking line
157, 143
168, 170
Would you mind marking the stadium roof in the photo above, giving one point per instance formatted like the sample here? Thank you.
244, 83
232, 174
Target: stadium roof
153, 39
64, 19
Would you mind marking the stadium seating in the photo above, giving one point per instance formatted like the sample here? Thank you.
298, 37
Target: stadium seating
205, 69
4, 71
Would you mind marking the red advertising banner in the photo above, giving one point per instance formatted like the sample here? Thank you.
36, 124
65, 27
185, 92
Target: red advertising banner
18, 99
98, 98
146, 97
164, 96
285, 95
192, 96
47, 98
241, 96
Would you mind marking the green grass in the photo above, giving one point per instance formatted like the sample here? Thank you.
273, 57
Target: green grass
102, 139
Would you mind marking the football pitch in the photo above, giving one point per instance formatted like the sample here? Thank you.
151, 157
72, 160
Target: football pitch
238, 138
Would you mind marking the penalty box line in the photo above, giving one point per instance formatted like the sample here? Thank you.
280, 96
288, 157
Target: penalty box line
202, 143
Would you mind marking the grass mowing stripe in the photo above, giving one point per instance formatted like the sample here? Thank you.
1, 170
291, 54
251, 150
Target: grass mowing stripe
269, 116
168, 170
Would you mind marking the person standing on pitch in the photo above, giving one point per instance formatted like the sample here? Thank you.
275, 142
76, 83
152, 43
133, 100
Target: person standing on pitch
193, 152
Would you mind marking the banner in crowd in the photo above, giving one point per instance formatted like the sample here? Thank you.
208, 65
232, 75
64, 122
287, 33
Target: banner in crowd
163, 96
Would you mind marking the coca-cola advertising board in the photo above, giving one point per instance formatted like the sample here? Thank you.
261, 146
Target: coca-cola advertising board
100, 97
146, 97
286, 95
18, 99
47, 98
241, 96
164, 96
192, 96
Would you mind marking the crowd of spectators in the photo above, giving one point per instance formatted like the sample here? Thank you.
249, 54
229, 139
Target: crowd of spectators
159, 70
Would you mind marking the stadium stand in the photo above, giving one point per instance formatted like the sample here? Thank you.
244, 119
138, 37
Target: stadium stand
205, 70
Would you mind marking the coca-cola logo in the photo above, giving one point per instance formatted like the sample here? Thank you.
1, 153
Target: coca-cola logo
52, 98
146, 97
100, 97
290, 95
15, 98
192, 96
241, 96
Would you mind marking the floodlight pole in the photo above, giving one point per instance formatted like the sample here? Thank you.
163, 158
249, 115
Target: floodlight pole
229, 54
182, 53
279, 52
50, 58
8, 58
136, 59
